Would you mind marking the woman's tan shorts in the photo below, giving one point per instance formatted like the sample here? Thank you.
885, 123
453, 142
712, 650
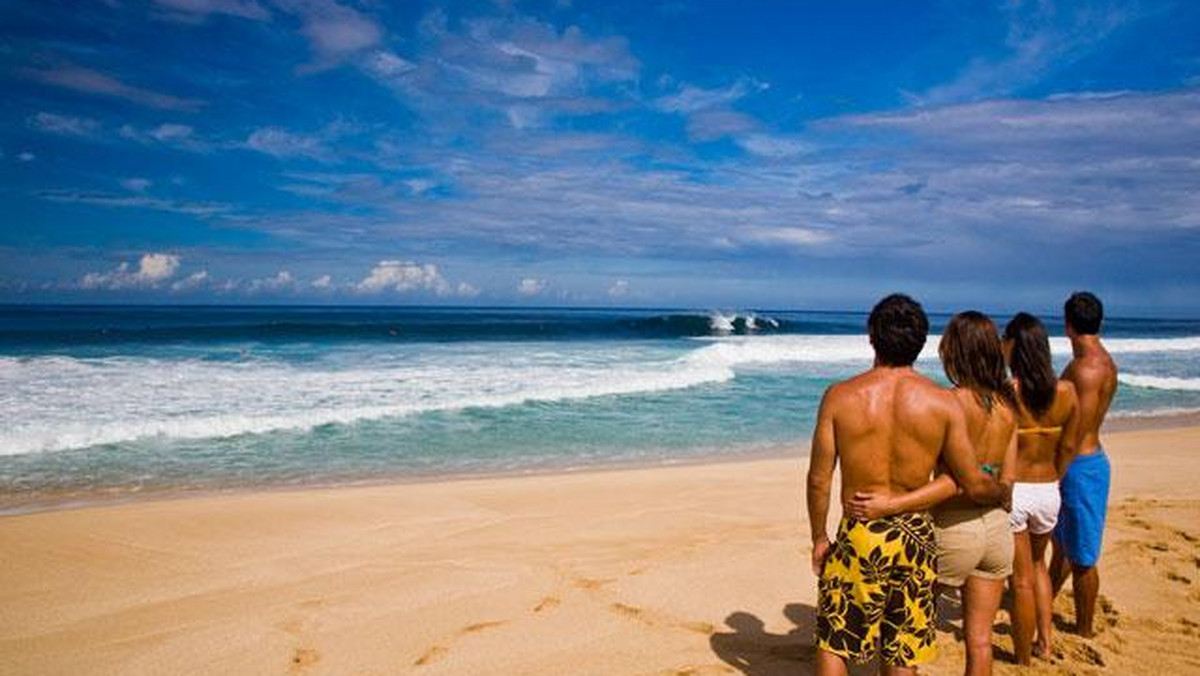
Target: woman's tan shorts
973, 542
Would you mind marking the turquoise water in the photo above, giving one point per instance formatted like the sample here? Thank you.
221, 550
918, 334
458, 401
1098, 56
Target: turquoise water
114, 401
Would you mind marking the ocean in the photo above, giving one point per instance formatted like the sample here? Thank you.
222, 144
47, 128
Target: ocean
119, 401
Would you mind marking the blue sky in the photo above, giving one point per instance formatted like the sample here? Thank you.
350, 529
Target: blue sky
672, 153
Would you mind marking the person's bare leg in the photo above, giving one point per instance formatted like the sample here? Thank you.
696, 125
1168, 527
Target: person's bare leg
1023, 611
829, 664
1085, 582
1060, 568
981, 600
1041, 591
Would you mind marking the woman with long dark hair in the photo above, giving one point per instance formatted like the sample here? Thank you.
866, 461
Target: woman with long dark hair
1047, 416
975, 543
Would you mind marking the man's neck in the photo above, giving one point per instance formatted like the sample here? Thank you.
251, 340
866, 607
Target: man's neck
878, 366
1082, 345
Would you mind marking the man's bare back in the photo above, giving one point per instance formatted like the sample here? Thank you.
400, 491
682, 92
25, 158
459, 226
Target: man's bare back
890, 426
1094, 374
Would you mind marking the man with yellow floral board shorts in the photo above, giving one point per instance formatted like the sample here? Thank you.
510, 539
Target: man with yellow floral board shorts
877, 588
887, 428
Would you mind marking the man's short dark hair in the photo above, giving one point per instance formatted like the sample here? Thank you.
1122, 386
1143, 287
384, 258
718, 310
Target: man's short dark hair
898, 328
1084, 312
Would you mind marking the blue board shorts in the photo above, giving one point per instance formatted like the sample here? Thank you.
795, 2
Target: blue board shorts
1080, 528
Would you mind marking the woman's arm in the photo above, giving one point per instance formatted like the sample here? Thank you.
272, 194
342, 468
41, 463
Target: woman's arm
872, 505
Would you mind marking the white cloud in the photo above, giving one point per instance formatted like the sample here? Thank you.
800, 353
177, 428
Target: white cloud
152, 270
403, 276
710, 125
335, 32
282, 281
768, 145
530, 286
191, 282
386, 65
90, 81
691, 99
467, 290
136, 184
322, 283
26, 156
246, 9
791, 236
1042, 37
180, 136
65, 125
284, 144
619, 289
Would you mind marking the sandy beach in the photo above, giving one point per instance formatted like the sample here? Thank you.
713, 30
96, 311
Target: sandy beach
674, 570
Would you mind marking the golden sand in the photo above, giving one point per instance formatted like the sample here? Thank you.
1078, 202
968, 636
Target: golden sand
680, 570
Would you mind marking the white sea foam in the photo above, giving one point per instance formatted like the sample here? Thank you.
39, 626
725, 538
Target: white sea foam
59, 403
764, 350
56, 403
1160, 382
1060, 345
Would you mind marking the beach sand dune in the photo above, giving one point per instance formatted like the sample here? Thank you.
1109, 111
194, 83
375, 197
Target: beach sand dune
684, 571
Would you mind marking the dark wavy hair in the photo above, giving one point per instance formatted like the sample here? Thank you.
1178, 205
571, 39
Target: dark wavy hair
1083, 312
898, 328
972, 358
1030, 362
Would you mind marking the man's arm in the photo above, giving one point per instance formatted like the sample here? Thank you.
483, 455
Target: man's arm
821, 462
958, 456
1068, 443
1089, 384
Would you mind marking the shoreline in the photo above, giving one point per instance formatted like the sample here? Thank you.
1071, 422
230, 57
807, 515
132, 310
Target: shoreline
101, 498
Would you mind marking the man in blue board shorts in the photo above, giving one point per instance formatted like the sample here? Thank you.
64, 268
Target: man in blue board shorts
1085, 478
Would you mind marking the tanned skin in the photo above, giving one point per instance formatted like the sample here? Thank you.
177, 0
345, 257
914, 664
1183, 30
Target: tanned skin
993, 434
1094, 375
888, 427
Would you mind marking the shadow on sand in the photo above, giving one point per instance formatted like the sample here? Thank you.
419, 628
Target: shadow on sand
753, 651
756, 652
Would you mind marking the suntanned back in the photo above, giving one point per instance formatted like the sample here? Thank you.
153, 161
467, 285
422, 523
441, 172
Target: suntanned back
1094, 375
890, 425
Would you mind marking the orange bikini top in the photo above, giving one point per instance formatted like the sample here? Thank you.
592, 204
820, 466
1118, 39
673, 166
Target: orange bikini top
1039, 430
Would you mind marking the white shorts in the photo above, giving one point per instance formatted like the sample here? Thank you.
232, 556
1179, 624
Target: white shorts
1034, 507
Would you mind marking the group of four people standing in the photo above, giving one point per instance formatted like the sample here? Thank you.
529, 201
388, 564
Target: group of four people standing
1018, 460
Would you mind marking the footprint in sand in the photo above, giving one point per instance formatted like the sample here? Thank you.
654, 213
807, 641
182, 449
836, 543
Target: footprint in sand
592, 584
440, 650
547, 603
1175, 577
304, 658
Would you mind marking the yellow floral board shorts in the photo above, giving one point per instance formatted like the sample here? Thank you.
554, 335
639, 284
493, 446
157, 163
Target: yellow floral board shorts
876, 587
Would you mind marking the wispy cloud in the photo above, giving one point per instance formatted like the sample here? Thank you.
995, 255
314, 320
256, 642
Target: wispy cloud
89, 81
65, 125
1042, 37
193, 282
246, 9
190, 208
